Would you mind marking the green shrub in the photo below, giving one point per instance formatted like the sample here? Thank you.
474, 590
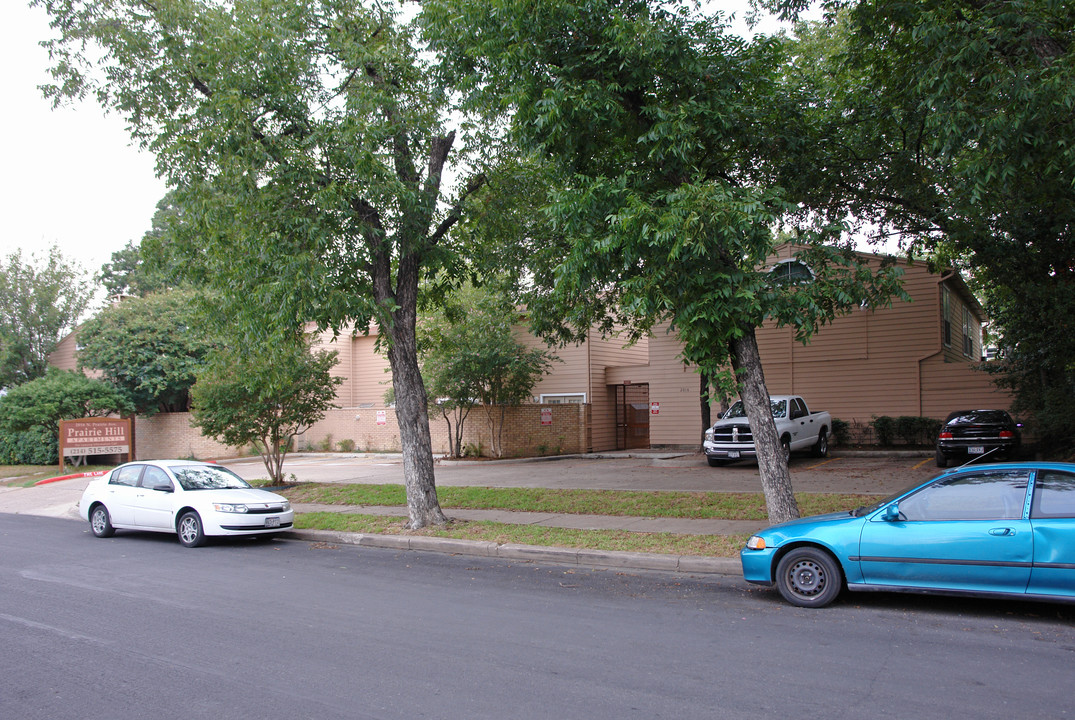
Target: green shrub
840, 431
36, 446
347, 445
915, 430
884, 428
908, 429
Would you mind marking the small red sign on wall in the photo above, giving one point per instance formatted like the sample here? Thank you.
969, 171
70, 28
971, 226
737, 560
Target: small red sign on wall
382, 417
654, 408
546, 416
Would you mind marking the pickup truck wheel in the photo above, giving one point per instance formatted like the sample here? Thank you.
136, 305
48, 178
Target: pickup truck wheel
785, 447
821, 447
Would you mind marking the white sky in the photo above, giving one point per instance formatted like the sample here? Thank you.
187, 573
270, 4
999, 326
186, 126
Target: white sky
71, 176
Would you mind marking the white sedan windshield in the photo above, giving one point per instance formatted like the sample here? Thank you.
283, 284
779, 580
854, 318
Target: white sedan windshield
202, 477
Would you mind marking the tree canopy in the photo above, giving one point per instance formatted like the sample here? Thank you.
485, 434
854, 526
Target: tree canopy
470, 356
59, 395
308, 142
264, 396
952, 126
164, 259
659, 206
151, 347
41, 299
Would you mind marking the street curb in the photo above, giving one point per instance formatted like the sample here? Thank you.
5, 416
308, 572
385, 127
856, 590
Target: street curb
529, 553
95, 473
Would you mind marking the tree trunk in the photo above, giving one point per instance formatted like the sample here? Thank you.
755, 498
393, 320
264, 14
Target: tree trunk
707, 415
412, 413
772, 464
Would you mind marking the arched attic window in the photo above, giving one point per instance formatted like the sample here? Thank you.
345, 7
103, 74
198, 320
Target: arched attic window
790, 272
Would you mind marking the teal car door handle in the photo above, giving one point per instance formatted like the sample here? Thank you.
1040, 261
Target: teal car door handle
1002, 531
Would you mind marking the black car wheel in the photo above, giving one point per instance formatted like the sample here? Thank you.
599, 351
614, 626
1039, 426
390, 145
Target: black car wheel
941, 459
808, 577
821, 447
101, 522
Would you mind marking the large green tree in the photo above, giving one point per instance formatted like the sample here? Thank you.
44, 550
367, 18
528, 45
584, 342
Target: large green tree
41, 299
308, 139
952, 125
59, 395
164, 259
470, 356
647, 118
264, 396
151, 347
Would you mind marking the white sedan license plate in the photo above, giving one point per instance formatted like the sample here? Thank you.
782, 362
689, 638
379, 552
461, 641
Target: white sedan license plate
976, 449
733, 454
272, 522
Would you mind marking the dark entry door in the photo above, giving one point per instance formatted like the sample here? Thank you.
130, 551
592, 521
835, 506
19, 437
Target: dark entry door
632, 416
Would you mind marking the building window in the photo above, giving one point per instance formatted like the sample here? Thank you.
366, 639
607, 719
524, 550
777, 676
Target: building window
946, 315
790, 272
563, 399
968, 333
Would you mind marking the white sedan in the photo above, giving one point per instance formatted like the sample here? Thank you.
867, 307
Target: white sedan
192, 499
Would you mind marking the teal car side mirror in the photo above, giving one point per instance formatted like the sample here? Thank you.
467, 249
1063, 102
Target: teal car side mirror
892, 513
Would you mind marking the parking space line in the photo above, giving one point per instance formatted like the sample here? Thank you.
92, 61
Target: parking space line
921, 464
824, 462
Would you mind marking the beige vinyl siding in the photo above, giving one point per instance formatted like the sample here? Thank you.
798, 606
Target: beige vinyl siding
64, 356
364, 370
676, 386
947, 387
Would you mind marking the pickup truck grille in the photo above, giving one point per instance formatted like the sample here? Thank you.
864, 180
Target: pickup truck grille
733, 434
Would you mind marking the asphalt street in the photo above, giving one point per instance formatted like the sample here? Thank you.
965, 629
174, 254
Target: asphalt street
137, 626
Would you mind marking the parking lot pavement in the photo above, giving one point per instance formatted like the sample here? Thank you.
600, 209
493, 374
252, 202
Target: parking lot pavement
875, 474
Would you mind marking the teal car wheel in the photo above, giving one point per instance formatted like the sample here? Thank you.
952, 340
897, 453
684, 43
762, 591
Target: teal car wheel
808, 577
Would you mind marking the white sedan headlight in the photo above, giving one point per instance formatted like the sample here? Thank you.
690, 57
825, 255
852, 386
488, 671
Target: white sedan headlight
230, 507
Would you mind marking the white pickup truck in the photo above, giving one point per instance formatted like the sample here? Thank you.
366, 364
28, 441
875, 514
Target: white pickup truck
730, 438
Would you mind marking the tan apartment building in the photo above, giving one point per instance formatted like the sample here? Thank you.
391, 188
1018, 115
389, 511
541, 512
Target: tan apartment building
918, 358
915, 358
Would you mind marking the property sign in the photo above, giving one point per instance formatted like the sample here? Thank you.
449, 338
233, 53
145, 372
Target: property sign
94, 436
654, 408
546, 416
382, 417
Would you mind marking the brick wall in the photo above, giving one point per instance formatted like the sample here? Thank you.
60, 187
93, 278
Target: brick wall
375, 429
170, 435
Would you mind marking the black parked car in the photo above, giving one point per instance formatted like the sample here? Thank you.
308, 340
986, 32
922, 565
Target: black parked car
970, 433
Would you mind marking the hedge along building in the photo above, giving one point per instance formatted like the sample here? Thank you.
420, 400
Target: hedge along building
918, 358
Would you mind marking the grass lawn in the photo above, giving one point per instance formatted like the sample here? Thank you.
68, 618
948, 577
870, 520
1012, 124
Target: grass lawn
725, 506
730, 506
671, 543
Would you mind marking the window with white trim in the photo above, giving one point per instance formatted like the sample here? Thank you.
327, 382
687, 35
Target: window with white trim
968, 332
563, 399
946, 315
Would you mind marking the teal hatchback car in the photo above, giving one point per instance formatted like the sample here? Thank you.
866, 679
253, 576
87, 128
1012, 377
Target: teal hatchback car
990, 530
